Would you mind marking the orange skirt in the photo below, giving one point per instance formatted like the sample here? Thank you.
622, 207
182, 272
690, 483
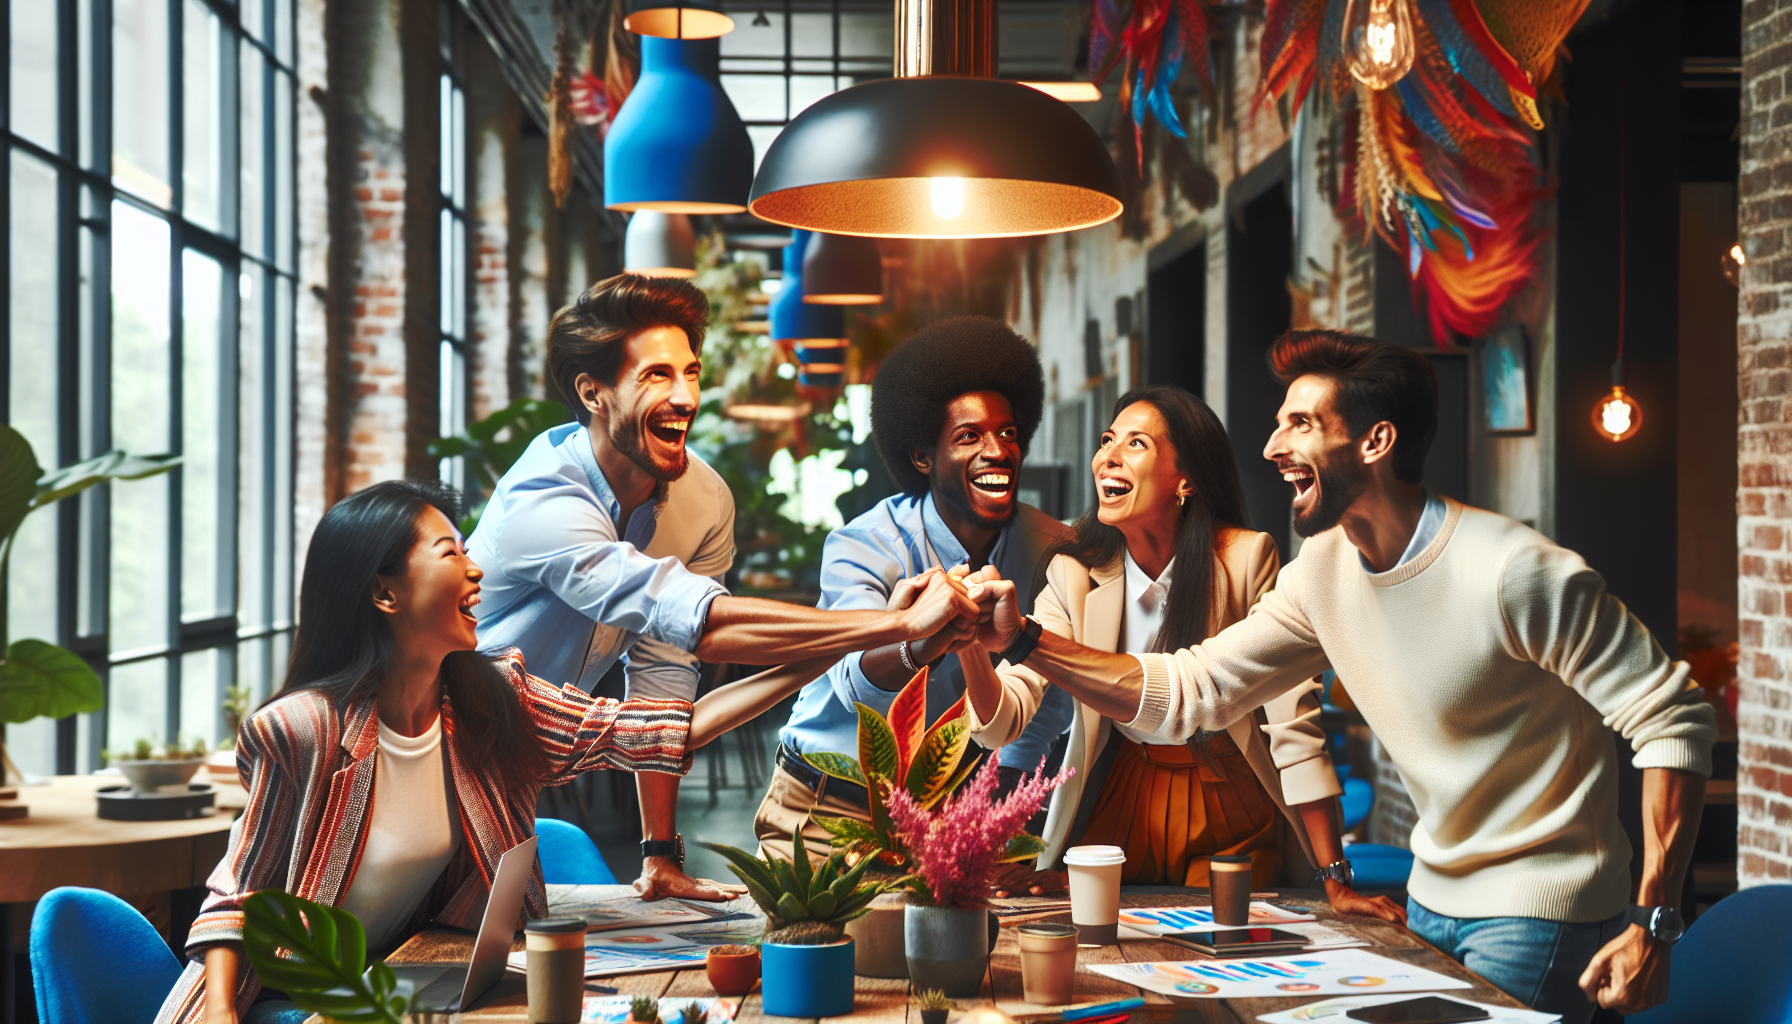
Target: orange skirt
1170, 809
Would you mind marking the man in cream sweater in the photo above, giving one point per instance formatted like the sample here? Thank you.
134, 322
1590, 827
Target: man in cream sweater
1491, 663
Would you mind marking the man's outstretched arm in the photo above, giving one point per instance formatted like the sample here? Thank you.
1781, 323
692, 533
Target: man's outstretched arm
755, 631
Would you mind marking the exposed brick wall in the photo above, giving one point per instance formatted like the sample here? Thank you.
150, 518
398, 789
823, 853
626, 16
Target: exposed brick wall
312, 450
1764, 450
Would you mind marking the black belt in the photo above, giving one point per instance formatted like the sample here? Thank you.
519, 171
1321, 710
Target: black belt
822, 783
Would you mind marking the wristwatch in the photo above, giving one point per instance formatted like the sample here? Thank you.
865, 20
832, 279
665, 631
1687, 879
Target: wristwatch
673, 848
1663, 923
1337, 871
1024, 641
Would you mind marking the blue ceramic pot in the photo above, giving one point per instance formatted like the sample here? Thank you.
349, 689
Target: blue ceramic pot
806, 981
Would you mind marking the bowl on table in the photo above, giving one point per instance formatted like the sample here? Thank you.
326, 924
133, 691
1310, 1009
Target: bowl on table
155, 776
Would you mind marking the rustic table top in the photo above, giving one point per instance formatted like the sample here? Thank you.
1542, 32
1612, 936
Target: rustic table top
64, 841
881, 1001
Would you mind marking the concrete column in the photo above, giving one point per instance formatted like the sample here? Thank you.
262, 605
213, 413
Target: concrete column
492, 122
532, 211
1764, 452
314, 457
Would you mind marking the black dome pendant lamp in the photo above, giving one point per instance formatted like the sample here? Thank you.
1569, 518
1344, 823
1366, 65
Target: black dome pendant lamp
943, 150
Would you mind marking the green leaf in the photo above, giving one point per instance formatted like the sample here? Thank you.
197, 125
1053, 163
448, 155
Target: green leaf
825, 875
838, 766
113, 465
317, 955
790, 908
845, 831
745, 863
18, 480
965, 771
40, 680
938, 759
877, 744
1024, 846
799, 864
821, 908
785, 875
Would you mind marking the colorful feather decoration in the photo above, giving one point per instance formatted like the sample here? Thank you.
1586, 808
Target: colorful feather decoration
1444, 165
1149, 42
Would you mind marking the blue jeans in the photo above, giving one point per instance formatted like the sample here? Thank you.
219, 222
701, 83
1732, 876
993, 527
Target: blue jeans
1536, 962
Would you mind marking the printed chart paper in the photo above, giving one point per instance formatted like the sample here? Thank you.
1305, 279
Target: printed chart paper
1164, 920
615, 907
1332, 972
1334, 1010
602, 962
614, 1010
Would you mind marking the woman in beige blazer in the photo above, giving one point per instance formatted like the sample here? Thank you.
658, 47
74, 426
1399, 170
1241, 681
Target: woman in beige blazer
1159, 565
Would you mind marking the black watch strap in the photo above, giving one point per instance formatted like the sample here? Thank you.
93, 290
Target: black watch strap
1022, 647
673, 848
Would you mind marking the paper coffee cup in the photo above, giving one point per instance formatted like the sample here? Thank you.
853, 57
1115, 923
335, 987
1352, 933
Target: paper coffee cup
1229, 881
1048, 963
1095, 892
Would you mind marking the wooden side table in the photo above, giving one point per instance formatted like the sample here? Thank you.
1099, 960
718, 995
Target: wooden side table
65, 842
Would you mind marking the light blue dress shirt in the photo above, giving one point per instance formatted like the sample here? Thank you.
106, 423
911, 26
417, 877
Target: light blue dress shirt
1430, 521
900, 537
574, 596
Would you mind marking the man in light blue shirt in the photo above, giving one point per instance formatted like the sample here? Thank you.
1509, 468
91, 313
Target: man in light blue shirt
606, 540
952, 410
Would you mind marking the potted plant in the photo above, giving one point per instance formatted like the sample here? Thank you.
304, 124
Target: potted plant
221, 763
317, 955
956, 849
644, 1010
806, 958
732, 970
39, 679
934, 1005
152, 770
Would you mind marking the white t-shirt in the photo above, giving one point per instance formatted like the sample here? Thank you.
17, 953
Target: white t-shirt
409, 835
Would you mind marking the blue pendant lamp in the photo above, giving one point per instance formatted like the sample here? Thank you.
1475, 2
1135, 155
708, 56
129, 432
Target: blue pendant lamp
842, 270
816, 332
677, 146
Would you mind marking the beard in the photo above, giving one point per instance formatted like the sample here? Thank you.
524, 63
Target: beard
631, 440
1340, 483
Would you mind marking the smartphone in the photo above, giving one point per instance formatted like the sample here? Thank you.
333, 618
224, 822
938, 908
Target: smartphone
1234, 942
1423, 1010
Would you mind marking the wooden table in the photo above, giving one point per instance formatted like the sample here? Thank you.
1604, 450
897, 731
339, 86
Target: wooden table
64, 842
887, 1001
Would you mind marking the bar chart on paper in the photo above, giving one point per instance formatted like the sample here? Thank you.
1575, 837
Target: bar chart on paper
1164, 920
1334, 972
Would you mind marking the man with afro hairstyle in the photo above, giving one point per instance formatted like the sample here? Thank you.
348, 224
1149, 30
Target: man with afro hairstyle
952, 411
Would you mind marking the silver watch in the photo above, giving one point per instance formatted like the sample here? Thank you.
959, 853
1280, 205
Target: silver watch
1337, 871
1663, 923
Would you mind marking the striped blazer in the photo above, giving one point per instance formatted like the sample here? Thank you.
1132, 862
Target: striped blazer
308, 765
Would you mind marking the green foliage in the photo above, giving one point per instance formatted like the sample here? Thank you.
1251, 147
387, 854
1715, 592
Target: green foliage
824, 896
693, 1013
146, 750
40, 680
933, 999
317, 955
492, 445
644, 1010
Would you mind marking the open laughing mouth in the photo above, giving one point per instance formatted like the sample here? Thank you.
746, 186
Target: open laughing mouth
993, 481
466, 606
1112, 487
1303, 480
670, 431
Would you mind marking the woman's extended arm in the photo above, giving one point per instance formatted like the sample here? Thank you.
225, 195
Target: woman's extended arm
755, 631
729, 707
220, 982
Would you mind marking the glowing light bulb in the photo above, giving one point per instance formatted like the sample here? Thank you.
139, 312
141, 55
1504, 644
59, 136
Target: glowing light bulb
1733, 262
1616, 415
1378, 41
948, 197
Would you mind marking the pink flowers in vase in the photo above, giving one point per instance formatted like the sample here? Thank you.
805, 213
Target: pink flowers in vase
956, 846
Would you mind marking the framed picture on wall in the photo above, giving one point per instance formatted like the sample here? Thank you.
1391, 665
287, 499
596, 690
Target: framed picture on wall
1504, 365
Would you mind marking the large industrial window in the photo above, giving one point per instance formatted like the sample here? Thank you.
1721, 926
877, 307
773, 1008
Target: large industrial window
452, 251
149, 286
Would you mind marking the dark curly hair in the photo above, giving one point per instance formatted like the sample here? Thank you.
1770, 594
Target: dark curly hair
953, 357
587, 336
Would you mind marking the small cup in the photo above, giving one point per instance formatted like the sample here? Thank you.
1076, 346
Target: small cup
1048, 963
1095, 892
732, 970
1229, 880
556, 953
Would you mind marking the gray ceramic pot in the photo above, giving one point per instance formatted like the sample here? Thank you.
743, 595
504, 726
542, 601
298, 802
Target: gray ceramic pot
877, 939
947, 949
150, 776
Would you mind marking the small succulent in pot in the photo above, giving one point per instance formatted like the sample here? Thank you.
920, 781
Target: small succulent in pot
644, 1010
933, 1005
693, 1013
804, 905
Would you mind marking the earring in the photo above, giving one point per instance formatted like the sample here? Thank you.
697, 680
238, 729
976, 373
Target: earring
1181, 500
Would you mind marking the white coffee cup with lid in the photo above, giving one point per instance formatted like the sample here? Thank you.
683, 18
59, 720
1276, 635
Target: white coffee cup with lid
1095, 892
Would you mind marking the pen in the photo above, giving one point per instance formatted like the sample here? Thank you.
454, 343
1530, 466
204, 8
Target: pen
605, 989
1101, 1009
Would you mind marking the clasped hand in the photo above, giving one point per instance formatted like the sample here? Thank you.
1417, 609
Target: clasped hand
953, 609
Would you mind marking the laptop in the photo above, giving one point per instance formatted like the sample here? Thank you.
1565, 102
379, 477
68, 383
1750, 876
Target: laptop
451, 988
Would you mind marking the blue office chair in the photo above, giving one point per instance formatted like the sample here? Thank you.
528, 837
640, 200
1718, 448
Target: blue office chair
568, 856
1358, 801
1732, 964
1378, 867
95, 959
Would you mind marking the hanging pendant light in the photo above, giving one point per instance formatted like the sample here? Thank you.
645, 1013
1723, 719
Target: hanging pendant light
943, 150
1378, 41
1617, 416
677, 145
842, 270
660, 245
815, 332
684, 19
1067, 91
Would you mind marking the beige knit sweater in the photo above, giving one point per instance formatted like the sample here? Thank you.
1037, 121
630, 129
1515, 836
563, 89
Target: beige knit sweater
1493, 667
